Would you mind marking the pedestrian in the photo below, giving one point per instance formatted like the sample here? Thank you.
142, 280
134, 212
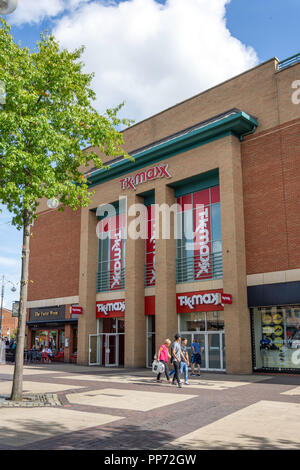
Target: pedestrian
176, 359
185, 362
2, 351
164, 356
184, 365
196, 357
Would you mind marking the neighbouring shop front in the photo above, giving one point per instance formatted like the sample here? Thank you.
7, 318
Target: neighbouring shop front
276, 338
49, 327
275, 325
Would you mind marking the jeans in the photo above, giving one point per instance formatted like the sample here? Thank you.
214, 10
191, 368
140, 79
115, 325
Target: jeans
184, 369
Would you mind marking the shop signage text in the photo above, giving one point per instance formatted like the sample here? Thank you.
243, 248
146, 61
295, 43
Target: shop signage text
110, 308
76, 310
131, 182
47, 313
226, 298
116, 261
199, 301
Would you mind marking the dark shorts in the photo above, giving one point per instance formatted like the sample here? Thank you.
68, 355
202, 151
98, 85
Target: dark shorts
196, 359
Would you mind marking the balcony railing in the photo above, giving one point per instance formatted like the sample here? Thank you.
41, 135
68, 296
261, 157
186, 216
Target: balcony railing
109, 281
289, 61
187, 269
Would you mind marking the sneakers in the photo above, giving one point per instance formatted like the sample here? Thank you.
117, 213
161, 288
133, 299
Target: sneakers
186, 383
193, 375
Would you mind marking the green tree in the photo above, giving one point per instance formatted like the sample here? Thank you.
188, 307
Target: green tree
46, 121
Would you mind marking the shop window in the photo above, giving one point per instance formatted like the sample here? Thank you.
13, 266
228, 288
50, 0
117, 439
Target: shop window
199, 238
150, 273
192, 321
111, 253
276, 337
150, 339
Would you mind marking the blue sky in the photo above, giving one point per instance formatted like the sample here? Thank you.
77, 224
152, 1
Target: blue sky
162, 68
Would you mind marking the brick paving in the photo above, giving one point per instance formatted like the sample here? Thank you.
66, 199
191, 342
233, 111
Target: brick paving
221, 397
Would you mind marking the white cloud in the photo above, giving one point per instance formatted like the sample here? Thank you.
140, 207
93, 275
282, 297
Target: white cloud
34, 11
149, 54
153, 55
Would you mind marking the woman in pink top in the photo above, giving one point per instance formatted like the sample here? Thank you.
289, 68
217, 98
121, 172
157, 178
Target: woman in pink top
163, 356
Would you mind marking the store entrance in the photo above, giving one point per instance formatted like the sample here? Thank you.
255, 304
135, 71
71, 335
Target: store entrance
107, 347
207, 328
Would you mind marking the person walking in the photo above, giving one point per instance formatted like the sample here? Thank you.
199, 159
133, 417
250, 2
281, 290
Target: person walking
2, 351
184, 364
176, 359
196, 357
164, 356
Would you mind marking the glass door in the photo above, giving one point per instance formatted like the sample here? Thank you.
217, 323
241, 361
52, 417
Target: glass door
111, 350
214, 350
201, 339
94, 350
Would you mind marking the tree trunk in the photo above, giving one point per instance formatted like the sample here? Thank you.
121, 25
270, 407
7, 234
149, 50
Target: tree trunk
17, 388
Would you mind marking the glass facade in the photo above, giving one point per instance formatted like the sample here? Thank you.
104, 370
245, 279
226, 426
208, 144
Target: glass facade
276, 337
111, 253
199, 238
208, 329
150, 339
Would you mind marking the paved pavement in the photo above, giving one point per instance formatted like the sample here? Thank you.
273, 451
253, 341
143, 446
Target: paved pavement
118, 409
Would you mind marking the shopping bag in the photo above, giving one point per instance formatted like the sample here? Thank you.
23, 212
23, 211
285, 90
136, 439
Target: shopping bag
158, 367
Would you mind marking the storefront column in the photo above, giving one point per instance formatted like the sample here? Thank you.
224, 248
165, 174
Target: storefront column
67, 350
87, 323
166, 323
237, 317
135, 322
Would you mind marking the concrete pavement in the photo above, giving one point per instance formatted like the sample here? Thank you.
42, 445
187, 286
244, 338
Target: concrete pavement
126, 409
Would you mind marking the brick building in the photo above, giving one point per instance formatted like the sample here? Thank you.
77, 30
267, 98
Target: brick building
8, 323
227, 161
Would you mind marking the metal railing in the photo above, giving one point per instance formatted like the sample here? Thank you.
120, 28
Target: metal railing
294, 59
107, 280
187, 269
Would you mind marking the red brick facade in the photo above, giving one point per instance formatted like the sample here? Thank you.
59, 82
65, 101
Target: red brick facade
271, 168
9, 323
54, 255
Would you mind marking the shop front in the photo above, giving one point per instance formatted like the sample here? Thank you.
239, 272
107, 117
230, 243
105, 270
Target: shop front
201, 318
106, 348
48, 327
276, 338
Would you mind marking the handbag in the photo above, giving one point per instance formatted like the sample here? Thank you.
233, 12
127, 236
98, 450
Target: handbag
157, 367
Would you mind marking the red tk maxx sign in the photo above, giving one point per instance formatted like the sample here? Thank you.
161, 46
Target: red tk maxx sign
159, 171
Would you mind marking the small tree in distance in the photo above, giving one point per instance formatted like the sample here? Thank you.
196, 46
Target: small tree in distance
46, 120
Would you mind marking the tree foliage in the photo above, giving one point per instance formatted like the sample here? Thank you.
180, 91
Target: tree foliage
46, 121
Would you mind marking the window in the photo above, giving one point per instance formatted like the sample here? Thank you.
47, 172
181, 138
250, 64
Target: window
111, 254
199, 238
276, 337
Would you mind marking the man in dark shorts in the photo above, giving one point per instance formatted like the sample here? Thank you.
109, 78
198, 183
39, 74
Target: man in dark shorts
196, 357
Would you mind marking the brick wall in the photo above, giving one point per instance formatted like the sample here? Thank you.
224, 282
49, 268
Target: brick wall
271, 177
8, 322
54, 255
